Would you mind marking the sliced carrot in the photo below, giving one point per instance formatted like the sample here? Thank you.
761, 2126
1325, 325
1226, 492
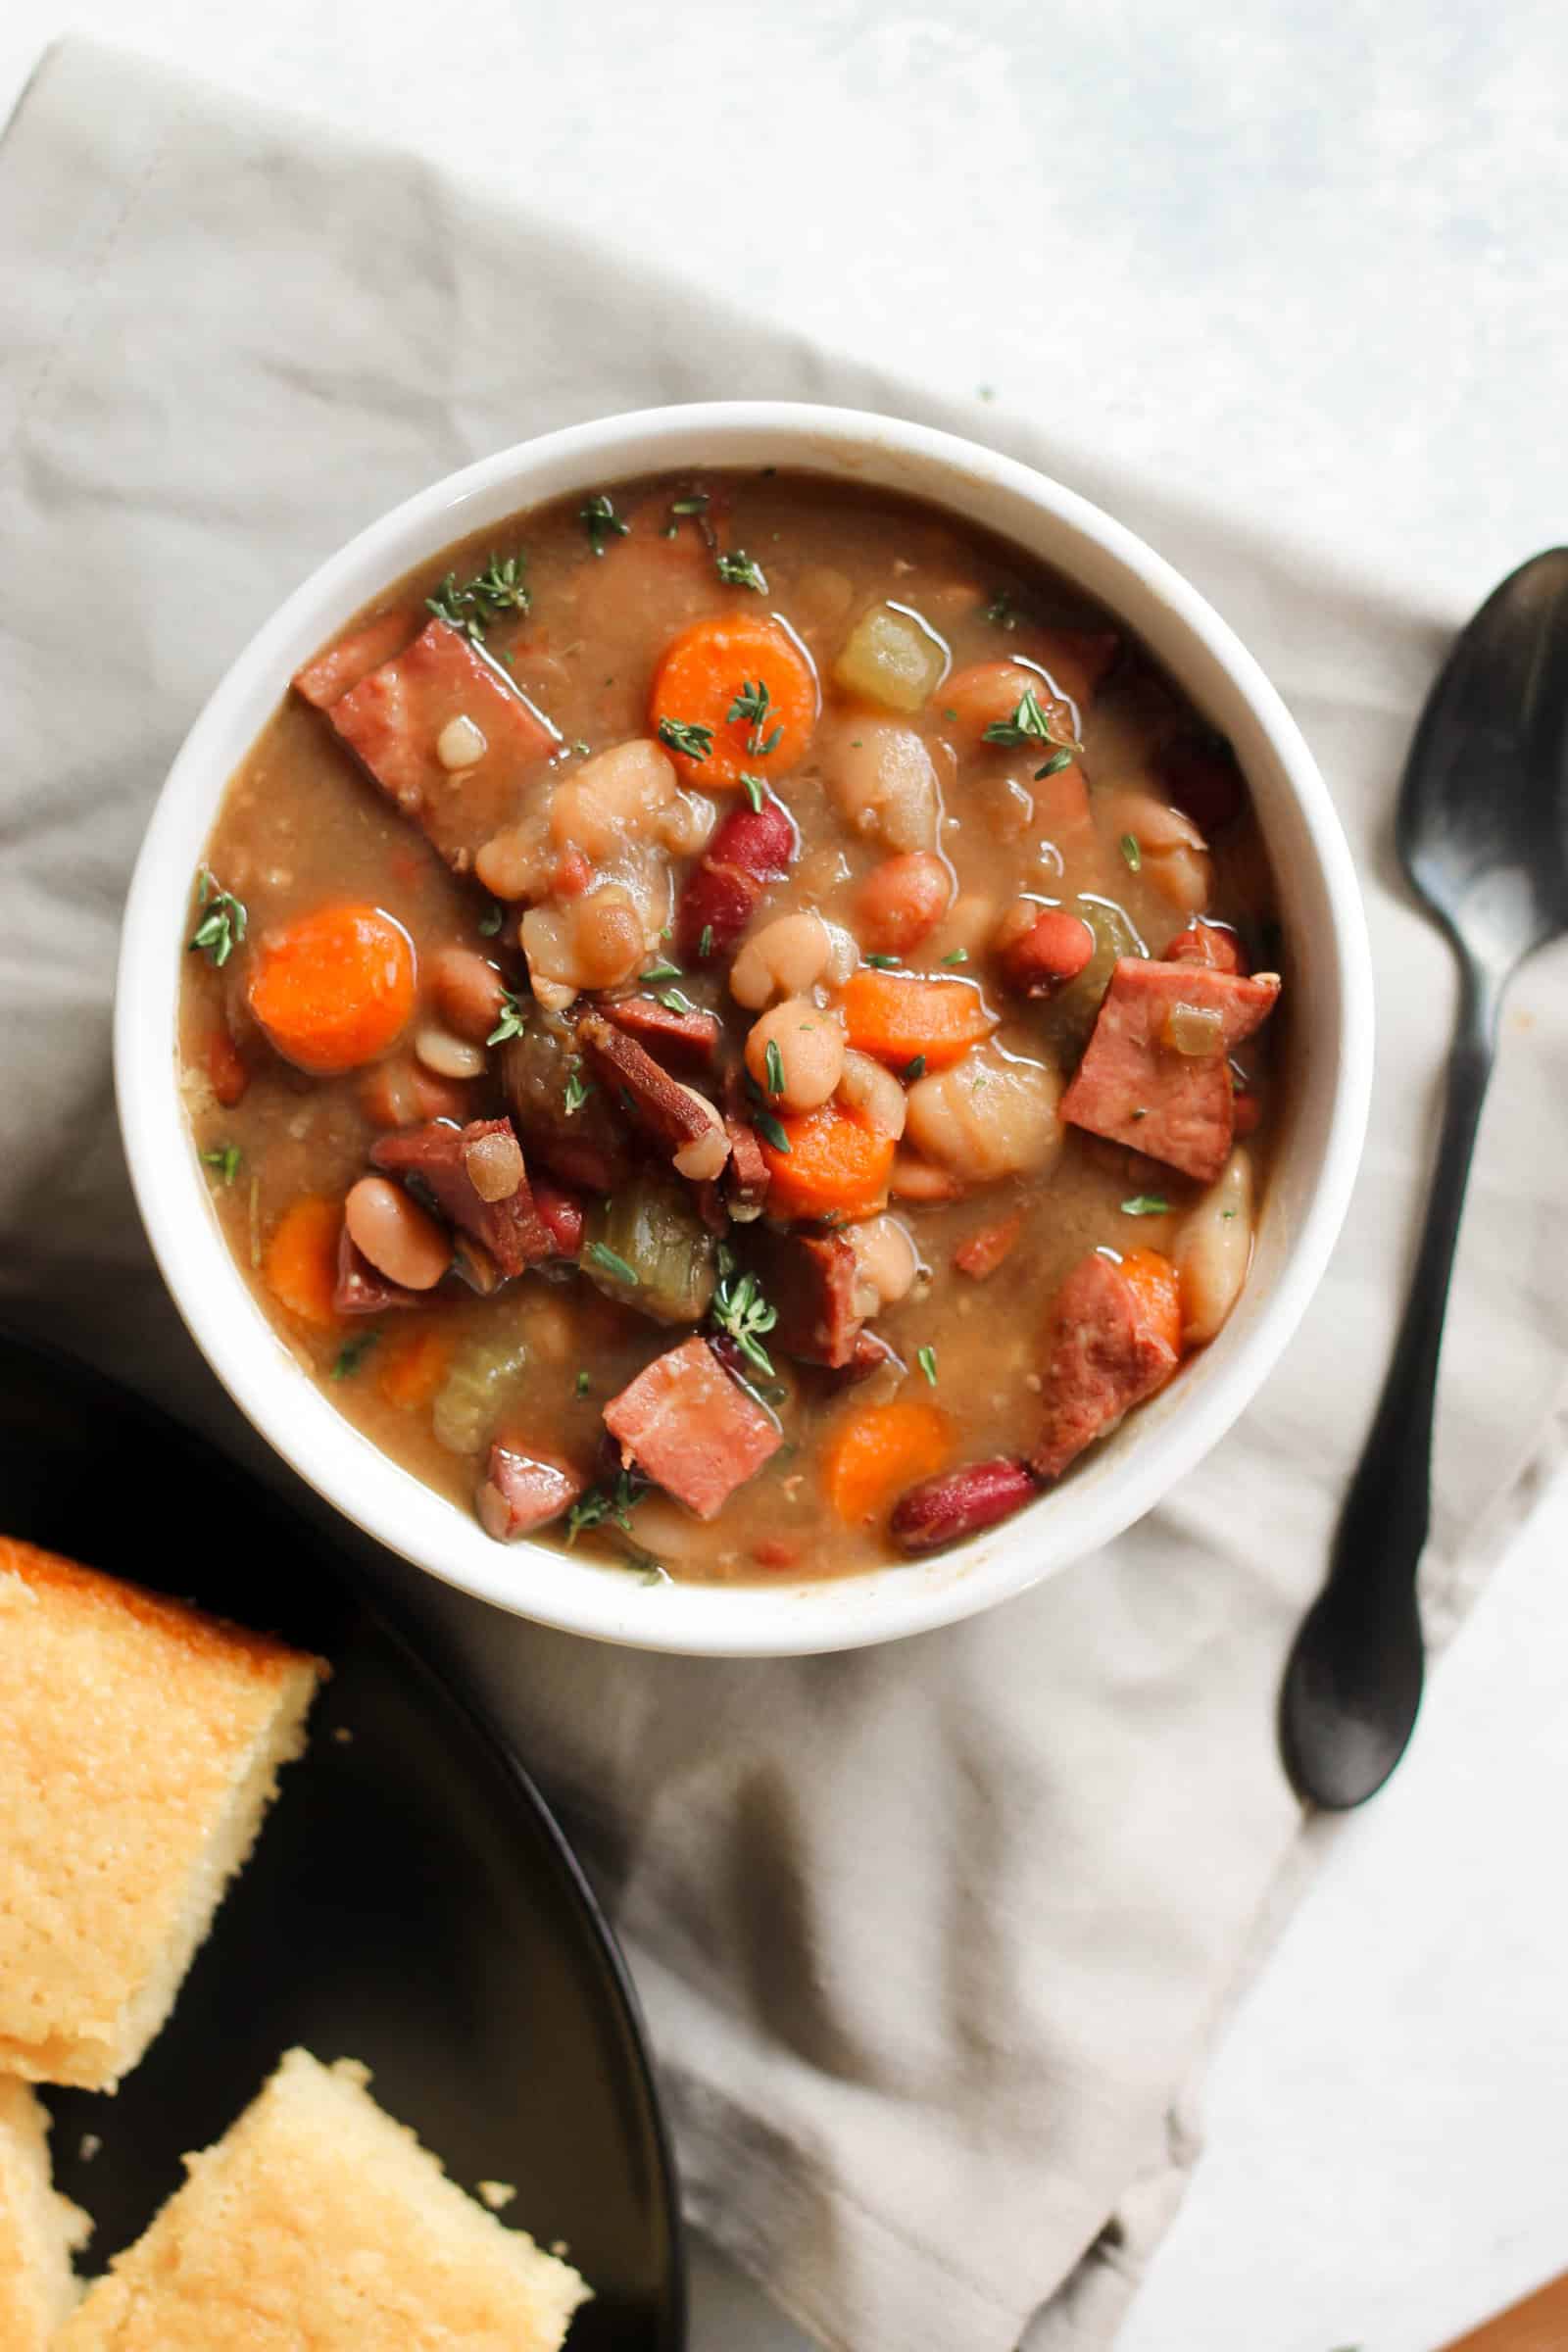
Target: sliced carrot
877, 1451
1156, 1287
334, 988
225, 1069
984, 1251
301, 1261
711, 666
836, 1164
413, 1367
899, 1018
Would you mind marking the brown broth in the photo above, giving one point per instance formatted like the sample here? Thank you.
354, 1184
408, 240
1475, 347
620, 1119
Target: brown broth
301, 823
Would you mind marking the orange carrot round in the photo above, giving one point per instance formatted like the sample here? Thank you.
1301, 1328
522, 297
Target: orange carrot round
333, 989
710, 668
1156, 1287
880, 1449
899, 1018
836, 1164
300, 1265
413, 1367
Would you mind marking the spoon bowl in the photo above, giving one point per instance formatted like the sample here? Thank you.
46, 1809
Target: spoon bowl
1483, 834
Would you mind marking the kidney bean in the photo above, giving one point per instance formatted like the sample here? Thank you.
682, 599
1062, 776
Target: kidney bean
1199, 772
401, 1240
752, 848
960, 1502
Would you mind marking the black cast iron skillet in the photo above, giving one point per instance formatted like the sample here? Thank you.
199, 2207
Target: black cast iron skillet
411, 1903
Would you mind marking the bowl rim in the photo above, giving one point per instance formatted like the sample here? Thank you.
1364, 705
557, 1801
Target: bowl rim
255, 1365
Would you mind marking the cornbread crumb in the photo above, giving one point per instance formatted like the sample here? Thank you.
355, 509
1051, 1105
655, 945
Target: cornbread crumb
88, 2146
317, 2218
39, 2229
497, 2194
142, 1746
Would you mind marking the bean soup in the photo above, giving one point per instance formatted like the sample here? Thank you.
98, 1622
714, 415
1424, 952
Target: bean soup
726, 1024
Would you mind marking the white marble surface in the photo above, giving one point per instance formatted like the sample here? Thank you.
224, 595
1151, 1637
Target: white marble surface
1310, 260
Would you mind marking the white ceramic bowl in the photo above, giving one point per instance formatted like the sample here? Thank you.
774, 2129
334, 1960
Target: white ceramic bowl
1330, 1040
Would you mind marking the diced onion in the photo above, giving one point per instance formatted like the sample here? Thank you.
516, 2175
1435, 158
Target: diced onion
1196, 1030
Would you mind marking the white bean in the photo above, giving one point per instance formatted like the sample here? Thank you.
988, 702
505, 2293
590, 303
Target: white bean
796, 1054
1172, 853
1214, 1249
618, 796
885, 784
781, 959
705, 1156
874, 1091
886, 1262
990, 1115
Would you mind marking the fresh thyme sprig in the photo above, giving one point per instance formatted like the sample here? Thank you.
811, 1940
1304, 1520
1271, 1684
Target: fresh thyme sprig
471, 606
223, 919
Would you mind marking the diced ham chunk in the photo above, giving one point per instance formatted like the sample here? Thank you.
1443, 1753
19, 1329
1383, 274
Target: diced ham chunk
1103, 1356
692, 1429
690, 1039
561, 1215
362, 1288
329, 677
669, 1111
394, 719
810, 1279
521, 1491
1135, 1088
748, 1176
512, 1229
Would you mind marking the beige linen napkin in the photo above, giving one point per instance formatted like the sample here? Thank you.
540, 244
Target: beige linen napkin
930, 1937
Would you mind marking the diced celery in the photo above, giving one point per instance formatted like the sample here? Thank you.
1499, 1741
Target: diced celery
891, 658
471, 1397
648, 1247
1070, 1015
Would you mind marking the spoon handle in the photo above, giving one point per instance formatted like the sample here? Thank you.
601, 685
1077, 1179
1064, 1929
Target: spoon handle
1384, 1525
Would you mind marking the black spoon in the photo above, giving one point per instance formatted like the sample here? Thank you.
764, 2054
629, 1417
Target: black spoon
1483, 834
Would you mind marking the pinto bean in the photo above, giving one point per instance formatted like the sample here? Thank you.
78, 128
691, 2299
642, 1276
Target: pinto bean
468, 991
401, 1240
446, 1055
1213, 944
960, 1502
902, 900
1041, 947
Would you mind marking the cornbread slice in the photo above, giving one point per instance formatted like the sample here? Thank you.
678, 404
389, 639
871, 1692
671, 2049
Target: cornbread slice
38, 2229
316, 2220
142, 1747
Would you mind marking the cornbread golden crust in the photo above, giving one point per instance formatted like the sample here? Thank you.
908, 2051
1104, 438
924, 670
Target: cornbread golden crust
319, 2221
37, 2228
142, 1746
